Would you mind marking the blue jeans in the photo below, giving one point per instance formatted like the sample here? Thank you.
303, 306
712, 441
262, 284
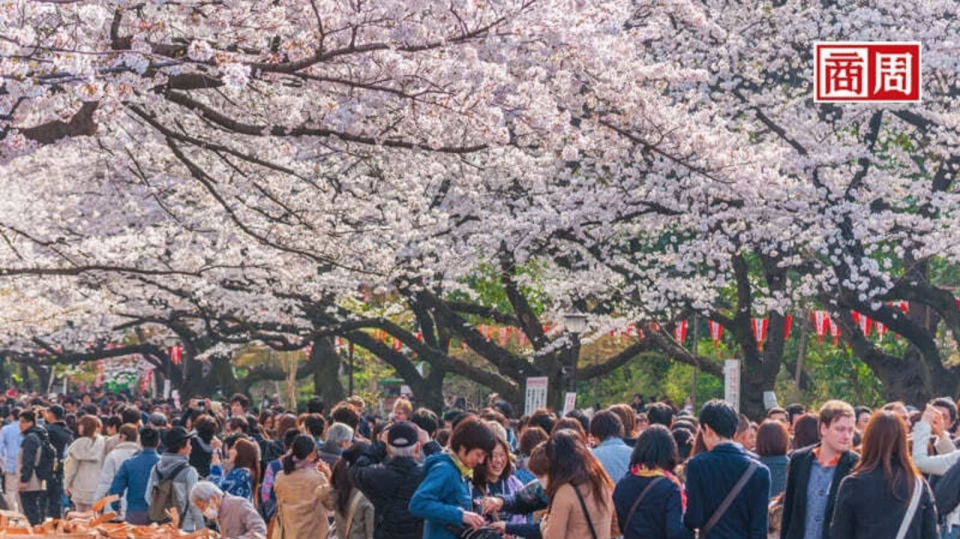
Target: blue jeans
949, 532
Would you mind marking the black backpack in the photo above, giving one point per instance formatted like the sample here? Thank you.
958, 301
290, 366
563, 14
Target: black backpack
270, 450
48, 460
946, 491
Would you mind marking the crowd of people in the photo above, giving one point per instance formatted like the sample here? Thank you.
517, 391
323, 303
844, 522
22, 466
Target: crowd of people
638, 471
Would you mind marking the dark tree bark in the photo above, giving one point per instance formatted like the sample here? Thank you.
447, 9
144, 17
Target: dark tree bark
43, 372
26, 384
326, 368
222, 371
4, 383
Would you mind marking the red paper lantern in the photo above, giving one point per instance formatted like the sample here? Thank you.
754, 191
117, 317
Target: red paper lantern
760, 326
716, 332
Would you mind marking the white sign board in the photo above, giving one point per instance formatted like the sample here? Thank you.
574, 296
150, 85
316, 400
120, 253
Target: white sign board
536, 394
731, 382
569, 403
769, 400
166, 389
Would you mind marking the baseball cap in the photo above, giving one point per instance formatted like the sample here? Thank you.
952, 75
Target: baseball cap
402, 434
157, 419
175, 436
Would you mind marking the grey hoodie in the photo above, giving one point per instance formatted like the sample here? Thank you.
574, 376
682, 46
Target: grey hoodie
111, 464
191, 518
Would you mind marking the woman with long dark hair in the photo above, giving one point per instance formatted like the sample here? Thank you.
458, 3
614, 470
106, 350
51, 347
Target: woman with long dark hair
579, 490
885, 491
300, 513
649, 499
352, 511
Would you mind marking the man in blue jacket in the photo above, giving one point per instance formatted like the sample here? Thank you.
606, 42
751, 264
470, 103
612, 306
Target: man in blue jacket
713, 474
443, 499
10, 440
131, 479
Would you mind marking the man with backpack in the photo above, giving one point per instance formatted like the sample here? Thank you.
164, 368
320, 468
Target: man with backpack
35, 467
171, 481
61, 438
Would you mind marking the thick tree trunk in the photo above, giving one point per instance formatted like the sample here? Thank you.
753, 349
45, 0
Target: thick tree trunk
432, 391
222, 371
43, 373
909, 380
25, 383
326, 362
4, 382
195, 383
752, 385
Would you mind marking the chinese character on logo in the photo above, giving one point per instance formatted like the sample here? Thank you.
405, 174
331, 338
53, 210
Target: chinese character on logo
879, 72
893, 73
844, 72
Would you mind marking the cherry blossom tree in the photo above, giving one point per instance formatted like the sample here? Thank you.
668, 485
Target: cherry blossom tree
240, 170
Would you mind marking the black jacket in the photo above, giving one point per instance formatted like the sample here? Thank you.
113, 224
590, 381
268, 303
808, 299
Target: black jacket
33, 440
61, 438
270, 450
868, 509
795, 496
201, 456
389, 488
659, 515
710, 477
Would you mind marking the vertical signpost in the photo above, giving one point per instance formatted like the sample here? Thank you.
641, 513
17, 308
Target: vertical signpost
536, 396
731, 382
569, 402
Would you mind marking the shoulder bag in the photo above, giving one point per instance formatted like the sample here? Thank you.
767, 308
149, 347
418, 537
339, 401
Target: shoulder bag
728, 501
912, 509
636, 504
583, 505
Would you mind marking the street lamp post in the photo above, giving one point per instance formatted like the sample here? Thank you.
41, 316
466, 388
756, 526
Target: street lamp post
576, 324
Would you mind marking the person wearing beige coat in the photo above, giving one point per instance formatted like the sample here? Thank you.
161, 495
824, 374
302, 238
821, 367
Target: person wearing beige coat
566, 518
356, 524
299, 489
84, 462
575, 474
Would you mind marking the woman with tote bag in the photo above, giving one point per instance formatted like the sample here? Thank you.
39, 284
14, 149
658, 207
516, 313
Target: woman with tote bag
885, 497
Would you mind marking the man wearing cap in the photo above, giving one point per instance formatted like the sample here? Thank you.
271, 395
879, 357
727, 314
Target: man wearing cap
177, 454
390, 485
61, 438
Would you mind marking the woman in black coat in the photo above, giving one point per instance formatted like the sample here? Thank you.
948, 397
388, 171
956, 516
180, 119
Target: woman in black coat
873, 500
659, 514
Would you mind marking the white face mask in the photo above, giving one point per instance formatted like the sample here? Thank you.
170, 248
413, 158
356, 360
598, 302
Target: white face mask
211, 512
543, 482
